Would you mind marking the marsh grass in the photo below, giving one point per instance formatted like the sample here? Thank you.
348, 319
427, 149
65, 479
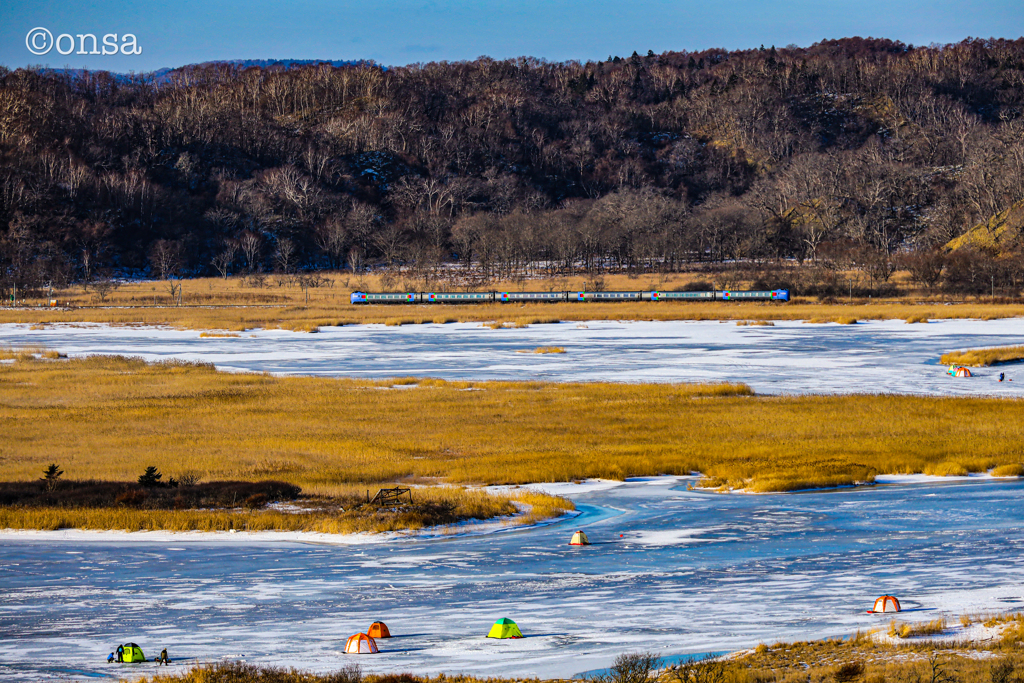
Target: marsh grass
109, 417
242, 672
344, 512
1010, 470
948, 468
28, 353
855, 659
983, 357
219, 335
899, 629
863, 659
838, 319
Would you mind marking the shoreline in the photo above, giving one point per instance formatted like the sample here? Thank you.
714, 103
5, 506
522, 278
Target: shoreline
469, 528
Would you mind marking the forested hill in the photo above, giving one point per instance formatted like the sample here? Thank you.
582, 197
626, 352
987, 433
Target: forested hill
857, 149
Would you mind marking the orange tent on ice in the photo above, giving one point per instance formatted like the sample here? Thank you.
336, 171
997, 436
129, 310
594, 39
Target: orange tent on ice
886, 603
379, 629
360, 644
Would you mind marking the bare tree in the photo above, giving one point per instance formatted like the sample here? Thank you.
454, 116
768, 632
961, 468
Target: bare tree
286, 255
165, 258
251, 245
222, 261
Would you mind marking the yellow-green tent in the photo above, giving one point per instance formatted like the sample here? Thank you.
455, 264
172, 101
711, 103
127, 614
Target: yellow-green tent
133, 653
505, 628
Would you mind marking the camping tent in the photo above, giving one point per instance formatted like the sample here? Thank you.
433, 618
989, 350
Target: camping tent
962, 372
379, 629
133, 653
360, 644
505, 628
579, 538
886, 603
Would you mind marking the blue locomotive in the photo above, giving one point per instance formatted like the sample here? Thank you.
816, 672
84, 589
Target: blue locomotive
523, 297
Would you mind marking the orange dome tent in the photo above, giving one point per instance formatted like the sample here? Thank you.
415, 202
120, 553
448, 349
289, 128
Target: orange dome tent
962, 372
379, 629
886, 603
360, 644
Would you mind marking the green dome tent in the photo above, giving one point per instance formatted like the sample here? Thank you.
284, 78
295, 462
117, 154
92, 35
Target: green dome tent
505, 628
133, 653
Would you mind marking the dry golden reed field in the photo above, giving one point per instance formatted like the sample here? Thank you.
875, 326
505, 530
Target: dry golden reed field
231, 304
108, 418
982, 357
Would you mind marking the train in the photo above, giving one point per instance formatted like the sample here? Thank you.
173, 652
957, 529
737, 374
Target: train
533, 297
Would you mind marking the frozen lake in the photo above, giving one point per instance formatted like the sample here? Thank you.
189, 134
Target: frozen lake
672, 571
791, 357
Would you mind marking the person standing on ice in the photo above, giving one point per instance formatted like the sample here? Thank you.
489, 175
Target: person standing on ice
1002, 376
163, 659
120, 653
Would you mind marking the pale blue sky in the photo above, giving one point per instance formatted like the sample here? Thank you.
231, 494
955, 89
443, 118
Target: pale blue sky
396, 32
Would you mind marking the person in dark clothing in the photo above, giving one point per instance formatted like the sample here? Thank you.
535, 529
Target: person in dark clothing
120, 653
163, 659
1002, 376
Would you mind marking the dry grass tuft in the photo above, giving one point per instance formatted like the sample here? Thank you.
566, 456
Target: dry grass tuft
543, 349
218, 335
917, 318
27, 353
930, 628
946, 468
1010, 470
983, 357
838, 319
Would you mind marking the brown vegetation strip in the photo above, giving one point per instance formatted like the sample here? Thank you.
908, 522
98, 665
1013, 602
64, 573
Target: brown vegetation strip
981, 357
109, 418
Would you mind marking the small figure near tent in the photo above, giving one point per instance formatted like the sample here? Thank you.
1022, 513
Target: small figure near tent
579, 538
886, 603
120, 653
361, 644
110, 658
163, 658
505, 628
379, 629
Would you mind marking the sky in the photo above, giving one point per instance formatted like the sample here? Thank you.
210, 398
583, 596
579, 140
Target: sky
399, 32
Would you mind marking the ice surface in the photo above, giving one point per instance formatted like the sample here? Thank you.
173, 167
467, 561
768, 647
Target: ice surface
670, 570
791, 357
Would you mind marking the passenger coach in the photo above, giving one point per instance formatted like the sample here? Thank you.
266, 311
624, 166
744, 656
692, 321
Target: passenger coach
511, 297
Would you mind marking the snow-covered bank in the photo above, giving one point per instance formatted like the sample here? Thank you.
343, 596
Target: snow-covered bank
789, 357
472, 527
670, 570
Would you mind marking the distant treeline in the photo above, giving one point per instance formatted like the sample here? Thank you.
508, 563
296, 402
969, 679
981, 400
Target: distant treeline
851, 152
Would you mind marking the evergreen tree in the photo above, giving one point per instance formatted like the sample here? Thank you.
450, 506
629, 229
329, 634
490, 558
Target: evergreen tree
51, 477
150, 478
